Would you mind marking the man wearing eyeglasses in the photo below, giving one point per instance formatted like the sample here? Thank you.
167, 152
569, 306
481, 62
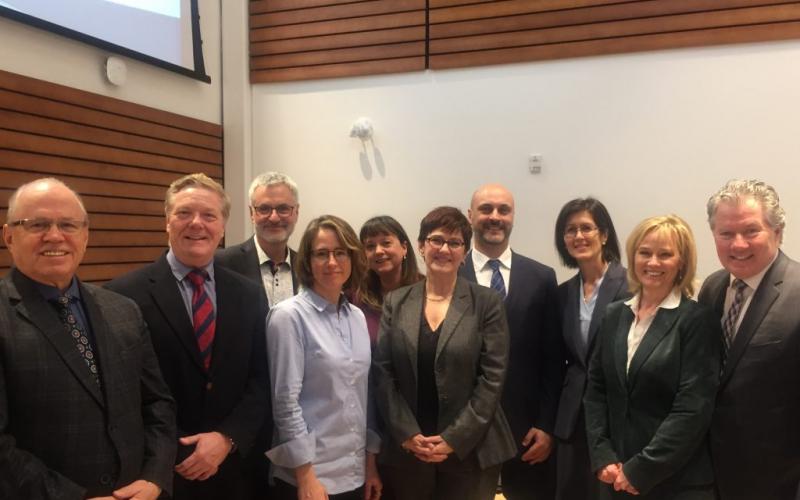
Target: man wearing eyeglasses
533, 380
84, 411
208, 328
266, 257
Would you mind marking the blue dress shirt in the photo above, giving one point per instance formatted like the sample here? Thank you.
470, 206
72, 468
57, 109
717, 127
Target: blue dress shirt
319, 359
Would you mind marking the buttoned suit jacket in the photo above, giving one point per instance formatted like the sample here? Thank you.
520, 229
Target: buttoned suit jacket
535, 371
470, 367
243, 258
654, 418
614, 287
61, 435
755, 435
232, 397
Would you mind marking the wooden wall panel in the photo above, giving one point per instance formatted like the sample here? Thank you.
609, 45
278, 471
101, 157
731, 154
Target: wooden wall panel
309, 39
471, 34
119, 156
304, 39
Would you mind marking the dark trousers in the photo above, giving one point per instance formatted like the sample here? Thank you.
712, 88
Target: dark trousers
453, 479
285, 491
229, 483
574, 477
522, 481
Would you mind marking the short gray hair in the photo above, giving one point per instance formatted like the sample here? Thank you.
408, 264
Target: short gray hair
738, 190
12, 201
272, 179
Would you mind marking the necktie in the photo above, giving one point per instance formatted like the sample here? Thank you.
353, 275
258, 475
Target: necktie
729, 321
497, 278
202, 316
78, 335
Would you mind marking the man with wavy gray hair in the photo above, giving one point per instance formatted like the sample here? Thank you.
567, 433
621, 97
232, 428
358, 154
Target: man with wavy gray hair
266, 257
755, 432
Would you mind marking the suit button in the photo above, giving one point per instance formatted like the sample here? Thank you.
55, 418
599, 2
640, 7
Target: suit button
209, 386
105, 479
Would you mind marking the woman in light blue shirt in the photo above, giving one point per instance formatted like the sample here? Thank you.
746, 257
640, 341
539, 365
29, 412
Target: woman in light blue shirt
319, 355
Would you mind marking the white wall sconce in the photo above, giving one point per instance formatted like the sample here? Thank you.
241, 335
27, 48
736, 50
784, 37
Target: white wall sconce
362, 128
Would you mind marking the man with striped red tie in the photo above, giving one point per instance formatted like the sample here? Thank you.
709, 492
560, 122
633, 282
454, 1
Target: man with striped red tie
207, 325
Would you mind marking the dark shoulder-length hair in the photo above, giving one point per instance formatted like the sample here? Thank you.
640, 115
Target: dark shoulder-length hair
602, 220
383, 225
448, 219
347, 238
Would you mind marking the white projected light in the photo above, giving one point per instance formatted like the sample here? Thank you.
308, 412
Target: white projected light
161, 32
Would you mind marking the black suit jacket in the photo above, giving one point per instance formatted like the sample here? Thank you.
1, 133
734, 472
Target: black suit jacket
61, 435
470, 368
533, 382
232, 396
655, 418
614, 287
243, 258
755, 434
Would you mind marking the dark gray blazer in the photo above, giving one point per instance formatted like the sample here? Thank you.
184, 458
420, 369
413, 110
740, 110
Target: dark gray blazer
243, 258
471, 360
614, 287
654, 418
755, 431
535, 366
61, 436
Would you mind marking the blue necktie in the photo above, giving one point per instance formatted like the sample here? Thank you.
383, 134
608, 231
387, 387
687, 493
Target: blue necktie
497, 278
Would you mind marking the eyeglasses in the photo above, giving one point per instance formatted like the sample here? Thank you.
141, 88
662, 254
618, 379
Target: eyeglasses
438, 242
340, 254
584, 229
39, 226
282, 210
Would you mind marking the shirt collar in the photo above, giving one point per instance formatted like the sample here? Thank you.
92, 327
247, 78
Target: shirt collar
180, 270
671, 301
51, 293
264, 258
479, 260
318, 302
755, 280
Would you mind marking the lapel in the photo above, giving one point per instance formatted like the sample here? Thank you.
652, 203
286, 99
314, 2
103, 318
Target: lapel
765, 295
410, 318
621, 343
661, 325
572, 325
467, 270
458, 306
167, 298
33, 307
107, 351
226, 320
292, 260
614, 280
250, 256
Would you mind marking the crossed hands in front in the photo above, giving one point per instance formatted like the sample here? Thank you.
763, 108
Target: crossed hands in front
430, 449
613, 474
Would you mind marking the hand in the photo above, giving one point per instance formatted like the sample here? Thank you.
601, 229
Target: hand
308, 486
541, 448
138, 490
621, 483
438, 449
372, 483
211, 448
609, 473
417, 445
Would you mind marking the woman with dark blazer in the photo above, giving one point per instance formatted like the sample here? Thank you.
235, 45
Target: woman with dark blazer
654, 374
585, 239
439, 366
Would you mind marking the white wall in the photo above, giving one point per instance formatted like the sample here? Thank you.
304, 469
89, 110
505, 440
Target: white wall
46, 56
647, 133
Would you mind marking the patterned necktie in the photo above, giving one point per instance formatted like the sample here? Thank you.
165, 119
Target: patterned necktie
497, 283
78, 335
729, 321
202, 316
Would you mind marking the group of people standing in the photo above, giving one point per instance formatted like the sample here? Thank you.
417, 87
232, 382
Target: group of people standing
370, 380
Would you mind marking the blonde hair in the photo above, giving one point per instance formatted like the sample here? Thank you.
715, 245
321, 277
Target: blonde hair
676, 230
197, 181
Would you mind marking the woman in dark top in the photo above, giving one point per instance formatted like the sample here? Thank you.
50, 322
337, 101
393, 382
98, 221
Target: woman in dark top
392, 264
654, 374
439, 366
586, 239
